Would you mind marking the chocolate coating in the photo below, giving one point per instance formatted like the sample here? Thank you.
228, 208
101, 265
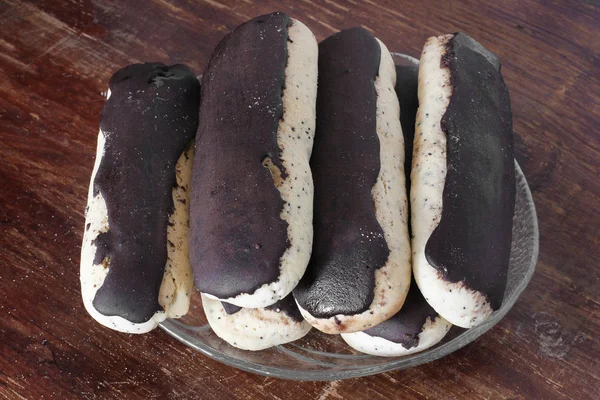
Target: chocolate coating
348, 241
407, 85
407, 90
404, 327
287, 305
149, 119
230, 308
237, 235
472, 242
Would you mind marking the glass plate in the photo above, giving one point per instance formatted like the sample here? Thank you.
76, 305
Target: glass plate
319, 356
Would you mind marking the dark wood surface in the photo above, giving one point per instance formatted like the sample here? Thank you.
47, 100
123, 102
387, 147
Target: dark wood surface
56, 58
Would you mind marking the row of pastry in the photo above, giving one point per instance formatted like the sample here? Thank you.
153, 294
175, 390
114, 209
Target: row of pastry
280, 188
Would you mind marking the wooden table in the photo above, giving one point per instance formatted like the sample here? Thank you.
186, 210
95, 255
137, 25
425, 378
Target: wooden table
56, 58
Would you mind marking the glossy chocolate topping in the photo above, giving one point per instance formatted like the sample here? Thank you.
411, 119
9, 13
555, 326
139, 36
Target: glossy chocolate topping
287, 305
472, 242
404, 327
348, 241
150, 117
237, 234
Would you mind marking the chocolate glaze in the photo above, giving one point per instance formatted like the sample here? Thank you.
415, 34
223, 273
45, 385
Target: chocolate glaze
237, 234
348, 241
404, 327
407, 85
407, 88
287, 305
230, 308
472, 242
150, 117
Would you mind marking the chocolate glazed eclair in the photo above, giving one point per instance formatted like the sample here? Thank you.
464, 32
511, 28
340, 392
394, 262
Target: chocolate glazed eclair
463, 180
359, 272
252, 191
135, 269
416, 326
256, 328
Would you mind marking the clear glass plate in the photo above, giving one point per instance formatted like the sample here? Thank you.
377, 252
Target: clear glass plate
319, 356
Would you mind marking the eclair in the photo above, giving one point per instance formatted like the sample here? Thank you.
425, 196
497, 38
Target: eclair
252, 189
359, 271
462, 180
256, 328
135, 270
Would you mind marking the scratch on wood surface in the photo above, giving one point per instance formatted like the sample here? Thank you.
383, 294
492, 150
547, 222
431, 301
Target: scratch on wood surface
320, 6
336, 5
330, 390
21, 66
8, 378
229, 378
170, 6
325, 24
413, 389
13, 395
268, 384
119, 383
387, 375
7, 45
264, 384
52, 48
35, 14
369, 29
50, 19
388, 10
216, 4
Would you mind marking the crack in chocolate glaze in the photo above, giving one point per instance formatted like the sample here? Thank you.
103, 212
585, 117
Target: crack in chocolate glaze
348, 243
472, 242
149, 119
404, 327
237, 235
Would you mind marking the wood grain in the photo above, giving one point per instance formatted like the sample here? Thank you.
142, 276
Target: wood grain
56, 57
